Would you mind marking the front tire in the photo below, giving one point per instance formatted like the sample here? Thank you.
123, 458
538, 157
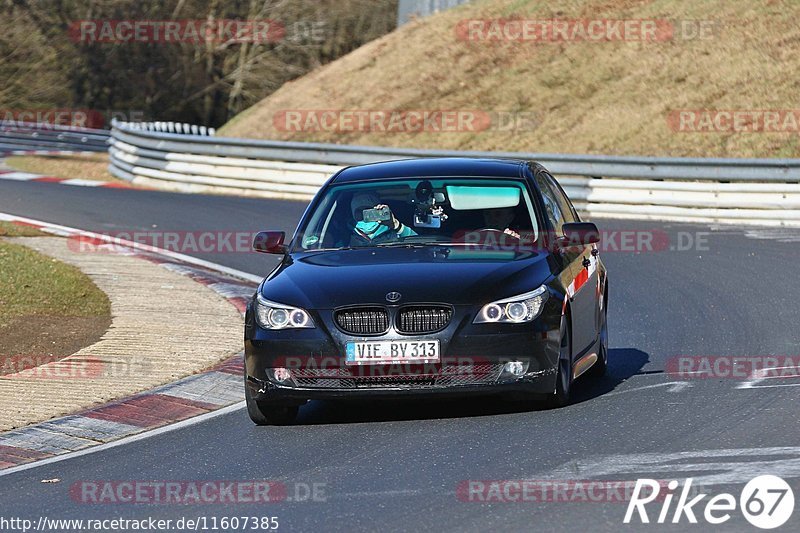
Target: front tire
268, 414
562, 395
600, 367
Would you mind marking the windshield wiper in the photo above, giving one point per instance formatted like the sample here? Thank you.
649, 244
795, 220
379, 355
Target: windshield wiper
379, 245
327, 249
404, 244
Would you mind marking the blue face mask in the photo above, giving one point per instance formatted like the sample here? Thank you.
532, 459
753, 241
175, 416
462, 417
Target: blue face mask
371, 229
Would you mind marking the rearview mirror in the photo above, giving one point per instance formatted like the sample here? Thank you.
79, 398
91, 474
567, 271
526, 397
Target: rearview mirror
579, 234
269, 242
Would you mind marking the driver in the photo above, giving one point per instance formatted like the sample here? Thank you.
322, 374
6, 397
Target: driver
365, 233
500, 219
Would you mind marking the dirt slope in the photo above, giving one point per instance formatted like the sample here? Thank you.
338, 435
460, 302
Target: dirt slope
618, 96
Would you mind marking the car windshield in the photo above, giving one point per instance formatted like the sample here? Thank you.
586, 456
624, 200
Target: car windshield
421, 211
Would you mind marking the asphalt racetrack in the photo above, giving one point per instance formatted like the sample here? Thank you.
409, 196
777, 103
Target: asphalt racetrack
400, 465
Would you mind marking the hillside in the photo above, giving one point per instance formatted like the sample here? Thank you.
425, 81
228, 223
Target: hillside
619, 96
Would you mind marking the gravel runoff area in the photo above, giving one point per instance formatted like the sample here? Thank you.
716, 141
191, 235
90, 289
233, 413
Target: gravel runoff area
164, 326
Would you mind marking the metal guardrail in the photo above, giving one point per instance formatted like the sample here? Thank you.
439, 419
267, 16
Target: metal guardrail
23, 136
761, 191
408, 9
172, 127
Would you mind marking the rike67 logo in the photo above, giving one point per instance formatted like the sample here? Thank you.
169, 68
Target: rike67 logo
767, 502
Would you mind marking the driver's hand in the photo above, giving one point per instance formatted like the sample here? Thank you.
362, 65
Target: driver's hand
393, 222
512, 233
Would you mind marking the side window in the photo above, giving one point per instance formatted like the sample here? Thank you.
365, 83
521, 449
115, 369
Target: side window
563, 202
551, 204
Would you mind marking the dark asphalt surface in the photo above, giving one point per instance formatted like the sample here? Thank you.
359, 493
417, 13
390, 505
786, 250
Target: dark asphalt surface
397, 465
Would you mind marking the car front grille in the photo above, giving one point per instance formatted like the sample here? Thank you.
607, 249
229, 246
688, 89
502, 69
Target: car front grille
423, 319
364, 377
363, 321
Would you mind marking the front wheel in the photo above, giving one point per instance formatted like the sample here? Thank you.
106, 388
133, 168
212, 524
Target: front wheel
269, 414
600, 367
561, 396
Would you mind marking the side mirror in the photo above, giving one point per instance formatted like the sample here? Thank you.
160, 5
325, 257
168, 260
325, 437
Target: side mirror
269, 242
579, 234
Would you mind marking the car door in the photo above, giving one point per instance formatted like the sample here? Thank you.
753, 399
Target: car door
583, 276
568, 257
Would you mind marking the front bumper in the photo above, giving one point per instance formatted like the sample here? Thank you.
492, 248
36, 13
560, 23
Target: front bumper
471, 360
267, 391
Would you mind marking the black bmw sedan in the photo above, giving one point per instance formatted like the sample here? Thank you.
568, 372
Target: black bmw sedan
432, 276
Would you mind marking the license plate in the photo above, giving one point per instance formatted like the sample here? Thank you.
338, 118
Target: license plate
379, 352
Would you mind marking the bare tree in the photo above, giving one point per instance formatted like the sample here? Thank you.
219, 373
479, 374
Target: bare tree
205, 82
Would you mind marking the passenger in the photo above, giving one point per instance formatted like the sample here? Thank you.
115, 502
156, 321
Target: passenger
366, 233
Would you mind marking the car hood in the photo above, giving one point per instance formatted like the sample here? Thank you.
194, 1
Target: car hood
330, 279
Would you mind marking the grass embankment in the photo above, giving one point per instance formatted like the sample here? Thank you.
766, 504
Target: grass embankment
87, 167
48, 309
611, 97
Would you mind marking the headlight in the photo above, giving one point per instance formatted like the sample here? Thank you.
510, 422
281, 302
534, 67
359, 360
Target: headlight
272, 315
514, 310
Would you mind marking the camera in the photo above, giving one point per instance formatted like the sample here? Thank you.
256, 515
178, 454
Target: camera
377, 215
427, 214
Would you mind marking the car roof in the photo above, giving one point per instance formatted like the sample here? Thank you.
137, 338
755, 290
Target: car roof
432, 168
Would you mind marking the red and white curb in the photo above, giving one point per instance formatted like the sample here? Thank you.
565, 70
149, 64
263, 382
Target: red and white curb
214, 391
14, 175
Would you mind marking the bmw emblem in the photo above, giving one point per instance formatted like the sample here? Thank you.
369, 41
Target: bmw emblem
393, 297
